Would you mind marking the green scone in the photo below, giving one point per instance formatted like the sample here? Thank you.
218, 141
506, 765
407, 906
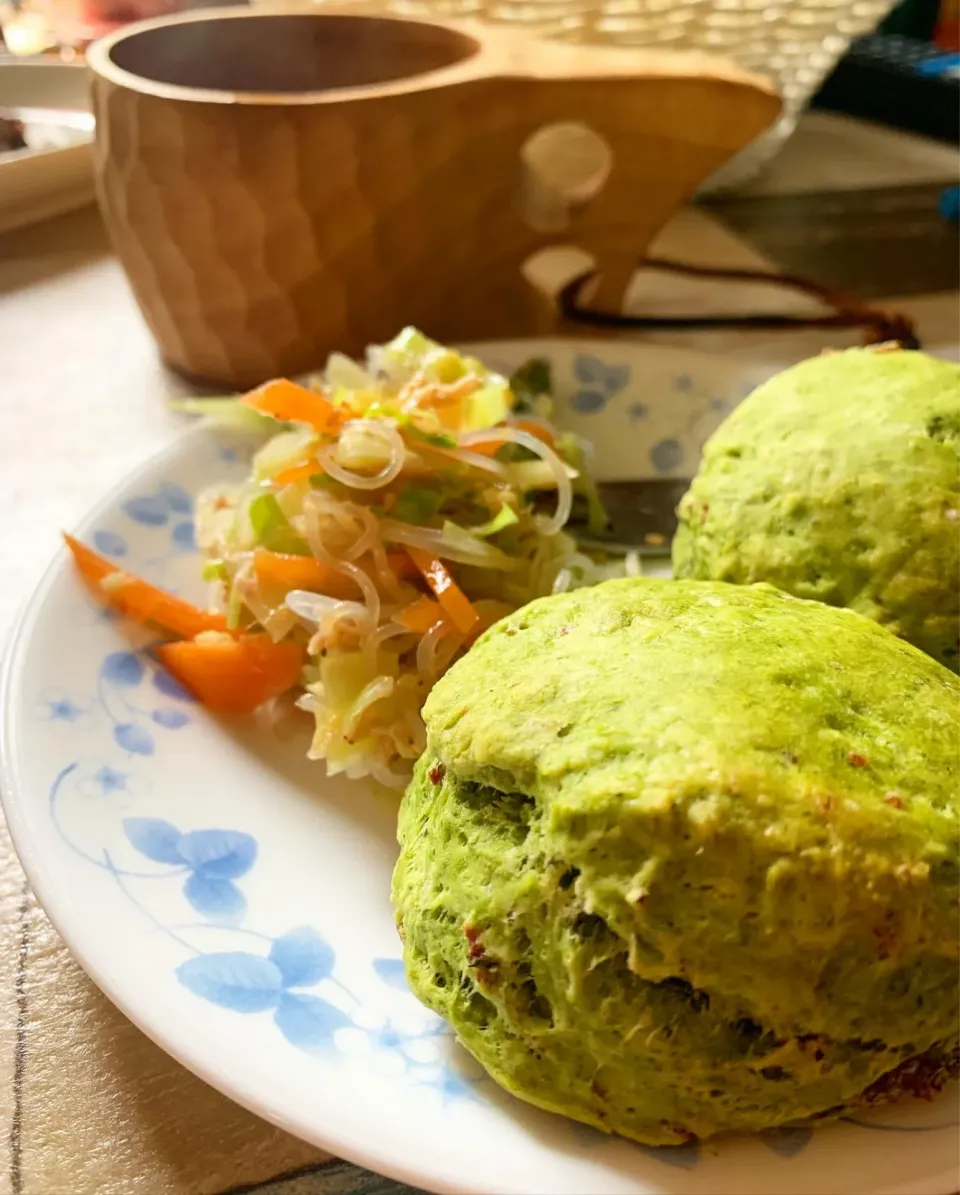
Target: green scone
839, 480
682, 857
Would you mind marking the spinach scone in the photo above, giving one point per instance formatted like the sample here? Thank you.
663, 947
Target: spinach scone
681, 857
839, 480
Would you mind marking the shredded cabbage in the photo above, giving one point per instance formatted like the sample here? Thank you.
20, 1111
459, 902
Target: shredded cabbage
270, 527
282, 452
229, 414
505, 517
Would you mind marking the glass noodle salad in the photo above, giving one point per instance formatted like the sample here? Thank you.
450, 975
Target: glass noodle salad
397, 510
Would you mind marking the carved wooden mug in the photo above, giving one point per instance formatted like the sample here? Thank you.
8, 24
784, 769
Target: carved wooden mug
278, 184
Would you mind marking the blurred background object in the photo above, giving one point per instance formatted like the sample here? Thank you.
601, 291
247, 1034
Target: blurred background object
934, 21
46, 126
64, 27
902, 81
46, 130
947, 32
906, 75
912, 18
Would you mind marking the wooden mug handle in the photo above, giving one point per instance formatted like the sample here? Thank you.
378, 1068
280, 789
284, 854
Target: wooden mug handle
669, 120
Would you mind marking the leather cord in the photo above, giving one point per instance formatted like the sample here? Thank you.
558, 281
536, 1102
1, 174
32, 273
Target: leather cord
848, 311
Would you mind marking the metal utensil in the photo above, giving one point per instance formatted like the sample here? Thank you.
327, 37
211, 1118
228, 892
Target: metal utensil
642, 516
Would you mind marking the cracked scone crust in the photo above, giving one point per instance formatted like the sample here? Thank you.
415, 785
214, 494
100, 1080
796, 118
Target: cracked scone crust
839, 480
681, 858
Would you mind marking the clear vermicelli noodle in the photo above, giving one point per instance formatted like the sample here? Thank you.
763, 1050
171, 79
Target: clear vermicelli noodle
535, 445
398, 509
359, 441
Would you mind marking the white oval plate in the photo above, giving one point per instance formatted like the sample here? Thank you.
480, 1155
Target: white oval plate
233, 901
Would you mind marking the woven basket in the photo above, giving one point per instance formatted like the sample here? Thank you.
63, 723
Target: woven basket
793, 42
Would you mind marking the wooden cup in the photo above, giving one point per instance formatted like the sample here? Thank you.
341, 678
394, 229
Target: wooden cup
278, 184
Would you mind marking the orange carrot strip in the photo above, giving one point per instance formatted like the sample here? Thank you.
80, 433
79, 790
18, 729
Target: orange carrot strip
456, 605
420, 615
233, 675
536, 429
401, 565
304, 572
301, 572
138, 598
298, 473
487, 447
291, 403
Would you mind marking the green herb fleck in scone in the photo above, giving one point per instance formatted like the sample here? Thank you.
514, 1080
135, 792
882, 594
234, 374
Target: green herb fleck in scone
839, 480
681, 857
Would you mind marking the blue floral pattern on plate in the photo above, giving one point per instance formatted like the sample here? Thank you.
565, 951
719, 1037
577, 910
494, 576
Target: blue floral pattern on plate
599, 383
282, 976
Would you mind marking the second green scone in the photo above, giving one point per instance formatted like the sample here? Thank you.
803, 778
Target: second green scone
839, 480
